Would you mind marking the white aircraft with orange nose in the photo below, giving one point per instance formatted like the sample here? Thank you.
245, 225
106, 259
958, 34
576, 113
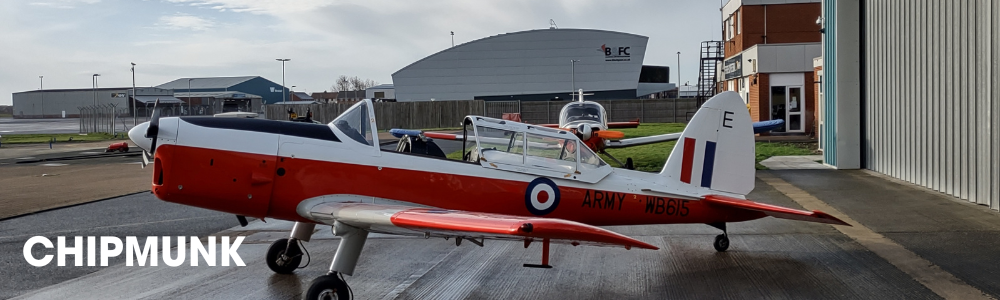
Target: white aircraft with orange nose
533, 187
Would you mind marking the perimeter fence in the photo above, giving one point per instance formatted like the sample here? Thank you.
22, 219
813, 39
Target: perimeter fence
104, 118
449, 114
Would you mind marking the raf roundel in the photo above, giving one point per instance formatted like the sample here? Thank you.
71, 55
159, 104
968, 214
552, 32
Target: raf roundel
542, 196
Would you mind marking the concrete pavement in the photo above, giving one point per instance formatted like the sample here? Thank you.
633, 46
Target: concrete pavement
769, 258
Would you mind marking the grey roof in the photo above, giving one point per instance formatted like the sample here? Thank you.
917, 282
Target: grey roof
384, 86
303, 96
297, 102
229, 94
163, 99
205, 83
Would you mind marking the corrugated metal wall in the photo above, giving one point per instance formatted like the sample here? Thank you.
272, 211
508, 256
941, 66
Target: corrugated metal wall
932, 95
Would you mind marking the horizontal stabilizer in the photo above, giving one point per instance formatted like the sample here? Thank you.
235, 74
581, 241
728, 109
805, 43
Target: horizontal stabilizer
774, 210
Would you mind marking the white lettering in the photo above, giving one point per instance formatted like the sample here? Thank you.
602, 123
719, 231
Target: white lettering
209, 255
31, 243
62, 250
149, 250
226, 252
180, 252
91, 253
111, 246
108, 253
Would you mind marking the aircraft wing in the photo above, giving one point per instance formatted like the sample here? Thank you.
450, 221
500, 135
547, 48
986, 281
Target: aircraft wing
408, 220
774, 210
643, 140
396, 132
629, 124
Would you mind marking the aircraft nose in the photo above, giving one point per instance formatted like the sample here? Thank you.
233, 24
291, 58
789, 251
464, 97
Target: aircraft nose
138, 136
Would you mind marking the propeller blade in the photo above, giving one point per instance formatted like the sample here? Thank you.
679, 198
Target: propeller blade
145, 158
611, 135
154, 126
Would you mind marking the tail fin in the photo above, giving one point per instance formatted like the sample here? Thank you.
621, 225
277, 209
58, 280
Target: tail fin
716, 150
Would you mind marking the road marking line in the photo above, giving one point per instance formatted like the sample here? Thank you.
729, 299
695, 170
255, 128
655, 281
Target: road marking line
927, 273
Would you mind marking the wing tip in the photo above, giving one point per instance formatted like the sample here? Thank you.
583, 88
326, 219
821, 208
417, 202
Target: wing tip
830, 219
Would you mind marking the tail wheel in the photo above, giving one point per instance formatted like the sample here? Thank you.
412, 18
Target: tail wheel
281, 262
721, 243
328, 287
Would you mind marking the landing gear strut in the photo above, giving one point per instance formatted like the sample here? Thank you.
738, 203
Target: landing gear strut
332, 285
722, 240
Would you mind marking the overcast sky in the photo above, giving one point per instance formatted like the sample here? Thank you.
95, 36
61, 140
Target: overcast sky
69, 40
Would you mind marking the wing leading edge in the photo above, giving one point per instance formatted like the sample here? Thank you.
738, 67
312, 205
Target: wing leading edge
407, 220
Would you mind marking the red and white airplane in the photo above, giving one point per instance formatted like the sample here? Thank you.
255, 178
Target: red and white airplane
534, 188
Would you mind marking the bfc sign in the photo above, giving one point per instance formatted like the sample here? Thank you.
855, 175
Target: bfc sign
616, 53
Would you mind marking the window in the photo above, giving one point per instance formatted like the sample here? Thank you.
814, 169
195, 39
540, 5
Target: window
354, 123
589, 160
739, 21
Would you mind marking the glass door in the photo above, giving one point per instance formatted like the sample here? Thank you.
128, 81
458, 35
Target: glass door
778, 105
793, 122
786, 104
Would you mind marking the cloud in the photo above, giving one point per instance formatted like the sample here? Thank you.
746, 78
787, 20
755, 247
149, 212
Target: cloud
170, 39
184, 21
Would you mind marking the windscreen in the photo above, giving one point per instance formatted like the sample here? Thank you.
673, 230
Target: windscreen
354, 123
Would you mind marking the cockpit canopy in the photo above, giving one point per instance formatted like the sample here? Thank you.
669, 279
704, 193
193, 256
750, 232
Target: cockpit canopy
588, 112
355, 123
523, 148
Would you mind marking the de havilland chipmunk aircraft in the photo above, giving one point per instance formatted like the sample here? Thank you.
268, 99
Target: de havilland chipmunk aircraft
588, 120
534, 188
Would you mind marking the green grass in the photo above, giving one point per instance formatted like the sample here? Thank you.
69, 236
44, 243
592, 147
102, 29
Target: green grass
60, 138
765, 150
652, 157
6, 116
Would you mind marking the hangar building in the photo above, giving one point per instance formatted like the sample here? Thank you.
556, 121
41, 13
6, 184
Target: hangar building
911, 89
535, 65
252, 87
53, 103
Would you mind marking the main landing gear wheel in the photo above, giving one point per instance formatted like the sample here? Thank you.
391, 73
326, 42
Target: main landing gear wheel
282, 257
721, 243
328, 287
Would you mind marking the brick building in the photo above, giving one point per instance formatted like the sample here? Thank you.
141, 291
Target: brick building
769, 48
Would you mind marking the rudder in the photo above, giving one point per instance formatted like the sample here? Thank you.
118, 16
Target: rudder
716, 149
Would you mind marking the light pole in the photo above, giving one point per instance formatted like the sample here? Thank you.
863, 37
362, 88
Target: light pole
453, 39
94, 81
134, 109
678, 72
41, 87
572, 63
189, 95
283, 60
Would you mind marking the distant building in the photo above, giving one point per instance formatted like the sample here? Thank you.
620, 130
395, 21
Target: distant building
381, 92
53, 103
769, 49
535, 65
268, 91
325, 97
350, 95
300, 96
